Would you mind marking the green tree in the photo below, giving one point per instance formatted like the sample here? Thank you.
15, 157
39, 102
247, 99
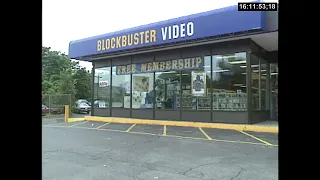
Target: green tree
66, 84
53, 62
83, 83
61, 75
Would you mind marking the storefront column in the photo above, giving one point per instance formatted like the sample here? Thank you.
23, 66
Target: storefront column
268, 88
92, 90
248, 84
154, 99
211, 86
180, 108
130, 89
110, 99
260, 96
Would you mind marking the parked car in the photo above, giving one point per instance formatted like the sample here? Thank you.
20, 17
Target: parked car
101, 104
47, 110
82, 101
83, 108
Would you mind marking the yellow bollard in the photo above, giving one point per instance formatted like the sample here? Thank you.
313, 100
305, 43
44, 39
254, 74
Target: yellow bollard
66, 113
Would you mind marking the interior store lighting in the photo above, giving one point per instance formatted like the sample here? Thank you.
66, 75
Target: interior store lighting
222, 70
262, 70
237, 62
253, 65
166, 72
220, 57
237, 84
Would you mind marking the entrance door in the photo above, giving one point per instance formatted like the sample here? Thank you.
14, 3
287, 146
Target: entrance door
274, 70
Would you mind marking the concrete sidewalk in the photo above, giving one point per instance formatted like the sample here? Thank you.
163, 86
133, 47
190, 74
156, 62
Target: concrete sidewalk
268, 124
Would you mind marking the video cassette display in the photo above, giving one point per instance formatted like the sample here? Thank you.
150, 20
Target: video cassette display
204, 103
230, 101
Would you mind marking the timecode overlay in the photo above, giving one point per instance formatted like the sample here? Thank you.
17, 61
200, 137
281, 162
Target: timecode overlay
257, 6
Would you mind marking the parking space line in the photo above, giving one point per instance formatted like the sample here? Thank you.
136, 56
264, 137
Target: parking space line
186, 137
53, 124
241, 142
79, 127
133, 132
77, 124
258, 139
205, 134
130, 127
183, 137
115, 130
164, 130
102, 125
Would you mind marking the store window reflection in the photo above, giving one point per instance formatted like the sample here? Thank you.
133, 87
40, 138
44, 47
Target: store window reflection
188, 101
263, 84
195, 88
167, 89
120, 89
255, 82
229, 82
142, 89
274, 90
102, 87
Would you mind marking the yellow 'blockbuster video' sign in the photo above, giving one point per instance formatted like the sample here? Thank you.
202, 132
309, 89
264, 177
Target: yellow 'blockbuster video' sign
143, 37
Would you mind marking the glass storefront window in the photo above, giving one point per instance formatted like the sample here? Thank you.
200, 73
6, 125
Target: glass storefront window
259, 75
188, 100
120, 90
167, 89
229, 82
263, 84
195, 88
142, 91
102, 87
226, 82
255, 81
274, 90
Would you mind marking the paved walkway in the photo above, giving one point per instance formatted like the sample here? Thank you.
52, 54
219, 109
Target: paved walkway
268, 124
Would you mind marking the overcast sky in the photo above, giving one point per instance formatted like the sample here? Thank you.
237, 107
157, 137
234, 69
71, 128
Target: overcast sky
67, 20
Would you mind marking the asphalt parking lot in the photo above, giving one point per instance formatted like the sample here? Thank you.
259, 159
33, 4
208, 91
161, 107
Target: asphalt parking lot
96, 150
218, 135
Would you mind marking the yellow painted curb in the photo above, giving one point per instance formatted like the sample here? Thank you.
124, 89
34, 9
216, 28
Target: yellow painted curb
75, 119
67, 113
184, 124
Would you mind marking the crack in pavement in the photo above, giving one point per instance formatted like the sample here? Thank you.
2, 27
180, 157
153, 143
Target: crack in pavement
109, 150
50, 151
193, 168
254, 151
153, 139
127, 146
237, 174
99, 155
184, 173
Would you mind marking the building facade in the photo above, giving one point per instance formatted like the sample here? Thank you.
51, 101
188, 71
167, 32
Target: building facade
216, 66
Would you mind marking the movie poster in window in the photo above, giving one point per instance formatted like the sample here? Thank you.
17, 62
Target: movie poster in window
141, 84
198, 83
